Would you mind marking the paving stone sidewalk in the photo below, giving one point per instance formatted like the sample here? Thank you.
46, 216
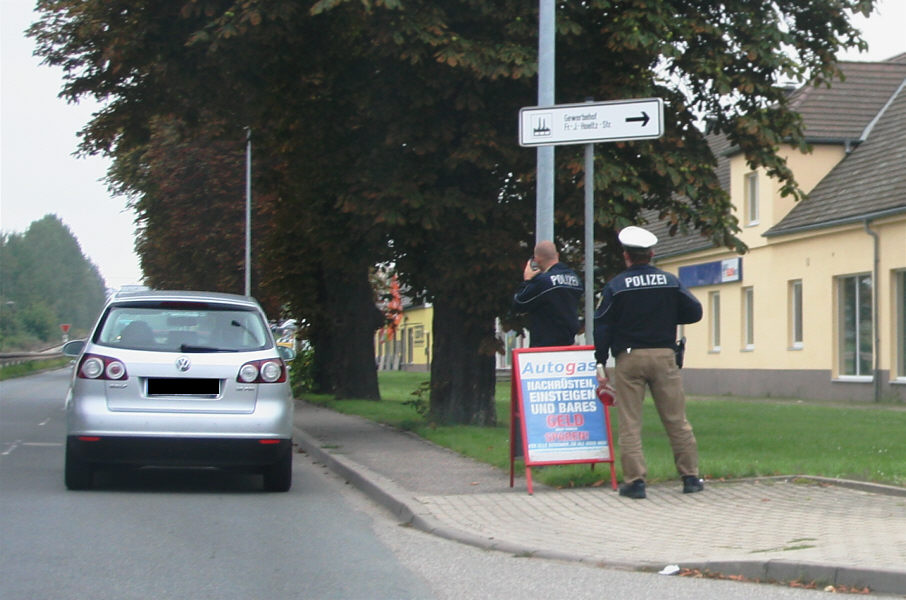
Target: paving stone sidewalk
783, 529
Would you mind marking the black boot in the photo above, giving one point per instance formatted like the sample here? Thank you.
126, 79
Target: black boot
692, 484
635, 489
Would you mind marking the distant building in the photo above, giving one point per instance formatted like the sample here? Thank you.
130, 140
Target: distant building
408, 348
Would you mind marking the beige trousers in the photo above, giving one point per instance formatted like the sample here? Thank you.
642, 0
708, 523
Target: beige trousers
656, 368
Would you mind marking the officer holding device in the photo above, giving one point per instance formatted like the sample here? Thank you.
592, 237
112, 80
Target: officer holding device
550, 294
636, 323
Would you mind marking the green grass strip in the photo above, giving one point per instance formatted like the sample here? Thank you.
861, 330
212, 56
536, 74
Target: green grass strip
737, 437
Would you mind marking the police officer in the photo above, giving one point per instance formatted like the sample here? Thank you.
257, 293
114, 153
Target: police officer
636, 323
550, 294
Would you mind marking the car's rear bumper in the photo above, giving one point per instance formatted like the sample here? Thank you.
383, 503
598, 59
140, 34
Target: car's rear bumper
178, 451
89, 414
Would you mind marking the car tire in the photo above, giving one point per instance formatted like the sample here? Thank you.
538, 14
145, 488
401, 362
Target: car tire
78, 474
278, 477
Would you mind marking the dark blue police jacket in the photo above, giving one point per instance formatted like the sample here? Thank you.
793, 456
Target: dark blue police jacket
640, 308
551, 300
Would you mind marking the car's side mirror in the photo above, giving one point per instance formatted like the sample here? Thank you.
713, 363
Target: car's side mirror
285, 353
73, 348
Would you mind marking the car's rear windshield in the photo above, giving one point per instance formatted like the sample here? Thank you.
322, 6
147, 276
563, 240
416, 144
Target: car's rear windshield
183, 327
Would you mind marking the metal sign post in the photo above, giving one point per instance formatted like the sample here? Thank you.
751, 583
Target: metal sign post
589, 244
544, 190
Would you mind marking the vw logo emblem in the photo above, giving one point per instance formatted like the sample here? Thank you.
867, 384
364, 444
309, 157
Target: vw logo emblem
183, 363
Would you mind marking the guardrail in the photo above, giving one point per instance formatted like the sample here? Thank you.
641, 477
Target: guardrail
14, 358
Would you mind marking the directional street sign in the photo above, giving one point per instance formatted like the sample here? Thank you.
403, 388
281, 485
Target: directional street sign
615, 121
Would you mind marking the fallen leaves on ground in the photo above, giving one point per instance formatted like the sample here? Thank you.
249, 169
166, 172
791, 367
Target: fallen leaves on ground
807, 585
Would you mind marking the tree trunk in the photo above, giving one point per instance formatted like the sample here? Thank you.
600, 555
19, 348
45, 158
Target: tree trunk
344, 343
463, 369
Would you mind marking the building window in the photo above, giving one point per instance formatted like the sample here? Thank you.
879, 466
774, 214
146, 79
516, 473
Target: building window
901, 325
748, 318
854, 322
714, 311
410, 345
795, 315
751, 198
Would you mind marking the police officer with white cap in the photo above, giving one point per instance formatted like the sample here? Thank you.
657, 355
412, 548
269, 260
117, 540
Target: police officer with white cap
636, 323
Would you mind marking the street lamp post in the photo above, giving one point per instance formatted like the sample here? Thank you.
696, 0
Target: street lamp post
248, 211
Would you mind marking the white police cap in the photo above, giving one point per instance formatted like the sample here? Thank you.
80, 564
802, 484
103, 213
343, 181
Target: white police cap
637, 237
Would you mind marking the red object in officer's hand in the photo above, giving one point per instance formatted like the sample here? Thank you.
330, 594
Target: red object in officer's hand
606, 394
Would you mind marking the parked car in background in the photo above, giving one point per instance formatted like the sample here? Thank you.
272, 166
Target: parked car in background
179, 379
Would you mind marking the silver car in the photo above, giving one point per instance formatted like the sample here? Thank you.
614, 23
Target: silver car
179, 379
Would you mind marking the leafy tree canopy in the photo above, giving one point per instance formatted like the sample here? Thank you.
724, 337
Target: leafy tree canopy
389, 127
46, 281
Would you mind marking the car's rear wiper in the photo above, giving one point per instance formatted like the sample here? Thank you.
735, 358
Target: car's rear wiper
188, 348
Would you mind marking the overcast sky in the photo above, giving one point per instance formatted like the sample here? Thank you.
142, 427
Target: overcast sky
39, 175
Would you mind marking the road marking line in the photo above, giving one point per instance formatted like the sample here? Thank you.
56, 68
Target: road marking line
12, 447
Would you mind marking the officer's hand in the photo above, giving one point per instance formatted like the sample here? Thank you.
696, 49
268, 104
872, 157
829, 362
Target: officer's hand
529, 272
601, 375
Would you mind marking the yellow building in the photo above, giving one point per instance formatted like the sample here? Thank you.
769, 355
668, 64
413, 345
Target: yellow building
817, 307
409, 349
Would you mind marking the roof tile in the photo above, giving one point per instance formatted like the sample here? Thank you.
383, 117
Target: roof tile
871, 179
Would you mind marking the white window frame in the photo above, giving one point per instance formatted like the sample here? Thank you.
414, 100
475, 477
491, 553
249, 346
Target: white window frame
750, 191
900, 317
748, 318
795, 314
714, 320
858, 331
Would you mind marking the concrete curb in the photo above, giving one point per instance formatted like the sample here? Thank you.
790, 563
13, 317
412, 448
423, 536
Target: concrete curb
781, 571
377, 487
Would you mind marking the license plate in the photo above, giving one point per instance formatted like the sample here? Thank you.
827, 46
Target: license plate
177, 386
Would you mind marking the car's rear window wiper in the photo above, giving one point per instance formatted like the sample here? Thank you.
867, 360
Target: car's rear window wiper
189, 348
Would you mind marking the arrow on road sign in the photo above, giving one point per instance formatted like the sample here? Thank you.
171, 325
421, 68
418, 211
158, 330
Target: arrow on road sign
644, 119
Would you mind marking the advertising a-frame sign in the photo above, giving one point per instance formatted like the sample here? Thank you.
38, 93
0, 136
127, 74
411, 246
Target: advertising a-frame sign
556, 417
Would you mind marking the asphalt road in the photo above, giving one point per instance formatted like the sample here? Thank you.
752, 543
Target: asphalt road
173, 534
207, 534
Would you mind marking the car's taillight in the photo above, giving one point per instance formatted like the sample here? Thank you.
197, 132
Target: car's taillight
271, 370
248, 373
94, 366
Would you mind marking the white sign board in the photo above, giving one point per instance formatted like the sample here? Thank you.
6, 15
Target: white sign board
562, 419
620, 120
